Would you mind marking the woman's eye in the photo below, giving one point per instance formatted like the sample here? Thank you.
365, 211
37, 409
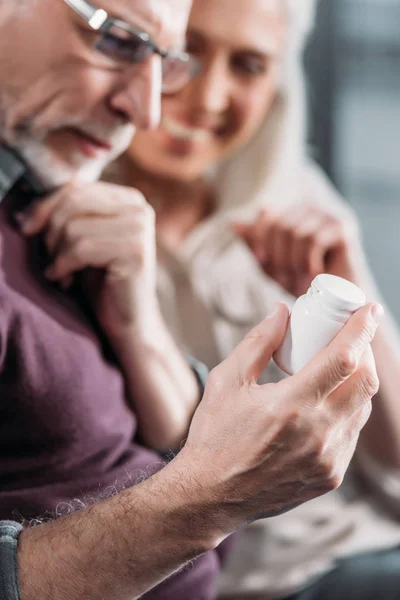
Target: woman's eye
251, 65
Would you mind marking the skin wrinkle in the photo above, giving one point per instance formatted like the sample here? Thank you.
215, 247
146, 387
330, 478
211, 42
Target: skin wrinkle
74, 86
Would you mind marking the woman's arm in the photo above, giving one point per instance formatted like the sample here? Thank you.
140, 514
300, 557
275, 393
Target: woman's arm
161, 385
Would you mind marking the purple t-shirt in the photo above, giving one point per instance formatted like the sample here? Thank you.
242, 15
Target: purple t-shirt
66, 429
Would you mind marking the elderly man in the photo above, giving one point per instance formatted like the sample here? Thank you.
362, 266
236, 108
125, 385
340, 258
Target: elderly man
85, 357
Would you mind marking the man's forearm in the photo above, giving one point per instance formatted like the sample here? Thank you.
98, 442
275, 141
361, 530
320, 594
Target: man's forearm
121, 547
161, 385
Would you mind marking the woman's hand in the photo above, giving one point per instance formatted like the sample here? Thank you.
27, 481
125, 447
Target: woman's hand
298, 243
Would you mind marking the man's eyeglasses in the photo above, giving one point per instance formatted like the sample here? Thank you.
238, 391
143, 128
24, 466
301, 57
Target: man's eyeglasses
122, 43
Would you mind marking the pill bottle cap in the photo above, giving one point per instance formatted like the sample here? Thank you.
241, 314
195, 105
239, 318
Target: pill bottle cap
337, 293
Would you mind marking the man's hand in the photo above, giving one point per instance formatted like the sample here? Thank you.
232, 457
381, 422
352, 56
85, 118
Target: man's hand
108, 231
252, 451
267, 449
298, 243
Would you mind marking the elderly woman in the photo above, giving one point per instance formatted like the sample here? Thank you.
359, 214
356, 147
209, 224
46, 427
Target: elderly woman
244, 219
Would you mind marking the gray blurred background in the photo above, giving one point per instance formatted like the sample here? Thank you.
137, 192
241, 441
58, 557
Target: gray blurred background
353, 63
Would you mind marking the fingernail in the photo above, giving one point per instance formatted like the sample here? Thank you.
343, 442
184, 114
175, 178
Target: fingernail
377, 312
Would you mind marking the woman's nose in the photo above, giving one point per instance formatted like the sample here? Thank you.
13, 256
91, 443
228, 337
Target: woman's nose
138, 99
210, 91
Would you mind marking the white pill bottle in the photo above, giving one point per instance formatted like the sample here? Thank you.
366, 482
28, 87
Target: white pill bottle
316, 319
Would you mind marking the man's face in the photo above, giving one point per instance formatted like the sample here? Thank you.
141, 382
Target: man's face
66, 107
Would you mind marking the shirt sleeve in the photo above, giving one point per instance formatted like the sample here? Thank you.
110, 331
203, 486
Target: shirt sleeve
200, 371
9, 535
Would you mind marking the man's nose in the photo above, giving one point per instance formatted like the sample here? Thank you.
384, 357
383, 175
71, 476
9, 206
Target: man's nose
138, 99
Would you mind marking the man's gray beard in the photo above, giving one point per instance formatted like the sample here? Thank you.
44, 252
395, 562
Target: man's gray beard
48, 167
51, 172
54, 173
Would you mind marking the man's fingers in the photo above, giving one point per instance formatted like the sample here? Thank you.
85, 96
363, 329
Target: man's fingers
254, 353
336, 363
355, 394
85, 253
73, 200
90, 227
37, 216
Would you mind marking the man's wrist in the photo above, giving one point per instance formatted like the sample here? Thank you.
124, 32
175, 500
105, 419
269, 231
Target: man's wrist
195, 509
123, 546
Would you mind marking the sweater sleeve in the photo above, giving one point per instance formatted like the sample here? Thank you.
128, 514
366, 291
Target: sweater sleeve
9, 535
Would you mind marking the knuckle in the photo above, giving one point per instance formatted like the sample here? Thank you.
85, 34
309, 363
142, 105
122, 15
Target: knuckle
369, 330
370, 382
327, 465
81, 248
70, 231
130, 198
293, 422
344, 363
334, 481
329, 470
138, 198
149, 215
266, 213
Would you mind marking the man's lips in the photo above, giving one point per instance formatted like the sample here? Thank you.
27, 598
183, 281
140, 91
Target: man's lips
89, 145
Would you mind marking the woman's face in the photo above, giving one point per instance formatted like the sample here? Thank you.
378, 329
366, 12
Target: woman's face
240, 45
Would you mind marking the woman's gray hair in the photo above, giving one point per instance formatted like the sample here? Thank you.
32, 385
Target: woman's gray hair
264, 169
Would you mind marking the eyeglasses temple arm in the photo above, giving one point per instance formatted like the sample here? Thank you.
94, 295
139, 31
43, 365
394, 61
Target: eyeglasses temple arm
96, 17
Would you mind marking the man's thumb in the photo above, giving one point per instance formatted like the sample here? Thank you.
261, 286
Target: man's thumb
254, 353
